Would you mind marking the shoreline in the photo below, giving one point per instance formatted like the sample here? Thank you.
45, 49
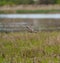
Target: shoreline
23, 9
29, 11
30, 7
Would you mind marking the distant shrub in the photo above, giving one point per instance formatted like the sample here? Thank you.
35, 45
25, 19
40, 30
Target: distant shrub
58, 1
47, 1
18, 2
3, 3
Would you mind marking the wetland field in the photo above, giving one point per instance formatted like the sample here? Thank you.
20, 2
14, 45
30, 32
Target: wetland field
30, 47
26, 47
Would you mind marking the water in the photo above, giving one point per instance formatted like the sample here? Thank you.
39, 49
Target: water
32, 16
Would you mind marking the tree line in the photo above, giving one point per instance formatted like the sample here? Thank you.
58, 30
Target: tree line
18, 2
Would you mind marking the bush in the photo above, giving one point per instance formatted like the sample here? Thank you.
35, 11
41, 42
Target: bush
3, 3
18, 2
47, 1
58, 1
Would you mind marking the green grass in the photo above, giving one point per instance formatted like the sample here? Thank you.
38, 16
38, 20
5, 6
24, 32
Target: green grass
25, 47
37, 11
30, 11
1, 12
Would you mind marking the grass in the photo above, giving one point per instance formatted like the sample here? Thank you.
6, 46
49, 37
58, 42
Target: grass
1, 12
37, 11
30, 11
25, 47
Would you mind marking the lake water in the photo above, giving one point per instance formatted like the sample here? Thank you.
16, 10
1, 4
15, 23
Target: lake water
33, 16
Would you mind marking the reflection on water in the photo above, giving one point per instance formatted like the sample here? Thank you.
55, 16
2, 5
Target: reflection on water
35, 24
32, 16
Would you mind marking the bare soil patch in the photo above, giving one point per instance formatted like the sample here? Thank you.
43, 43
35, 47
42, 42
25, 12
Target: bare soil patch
30, 7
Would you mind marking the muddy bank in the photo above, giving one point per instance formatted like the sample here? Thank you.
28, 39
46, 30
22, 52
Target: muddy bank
35, 24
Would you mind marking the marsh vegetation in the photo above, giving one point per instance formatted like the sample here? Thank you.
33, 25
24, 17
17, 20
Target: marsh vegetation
41, 47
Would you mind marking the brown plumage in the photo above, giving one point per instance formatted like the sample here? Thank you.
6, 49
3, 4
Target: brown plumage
30, 29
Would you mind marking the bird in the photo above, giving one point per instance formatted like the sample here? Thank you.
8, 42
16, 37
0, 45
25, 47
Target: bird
30, 29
